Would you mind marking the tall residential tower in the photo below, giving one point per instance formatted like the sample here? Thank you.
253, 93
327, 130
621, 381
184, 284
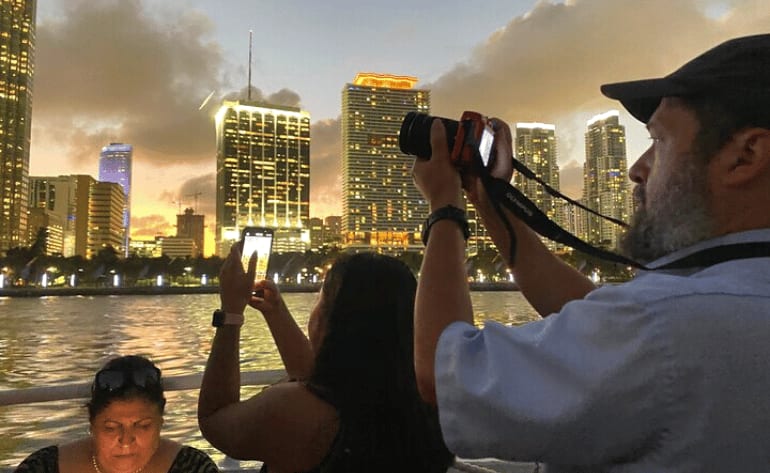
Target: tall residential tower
381, 207
115, 166
263, 173
17, 50
536, 149
605, 177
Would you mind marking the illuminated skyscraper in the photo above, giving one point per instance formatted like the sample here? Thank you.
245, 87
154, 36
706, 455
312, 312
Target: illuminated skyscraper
105, 218
263, 173
536, 148
17, 50
381, 207
115, 166
605, 177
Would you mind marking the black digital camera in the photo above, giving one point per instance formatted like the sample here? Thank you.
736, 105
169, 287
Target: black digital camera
469, 140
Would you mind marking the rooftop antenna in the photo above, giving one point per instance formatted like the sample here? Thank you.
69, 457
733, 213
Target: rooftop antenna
249, 88
250, 221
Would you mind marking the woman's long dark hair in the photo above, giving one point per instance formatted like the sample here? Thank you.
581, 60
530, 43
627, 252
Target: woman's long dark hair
365, 367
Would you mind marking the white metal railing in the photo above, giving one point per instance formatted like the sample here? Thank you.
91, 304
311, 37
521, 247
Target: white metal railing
83, 390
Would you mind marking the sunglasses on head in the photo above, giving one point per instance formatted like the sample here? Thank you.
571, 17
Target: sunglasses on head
112, 379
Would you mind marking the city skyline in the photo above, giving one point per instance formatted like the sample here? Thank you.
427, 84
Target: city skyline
153, 75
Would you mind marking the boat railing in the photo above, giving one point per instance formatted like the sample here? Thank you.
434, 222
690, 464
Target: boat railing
83, 390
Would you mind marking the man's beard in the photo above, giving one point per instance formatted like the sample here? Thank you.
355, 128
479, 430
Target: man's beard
680, 219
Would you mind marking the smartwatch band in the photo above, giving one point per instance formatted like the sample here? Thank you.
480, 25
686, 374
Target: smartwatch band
221, 318
449, 212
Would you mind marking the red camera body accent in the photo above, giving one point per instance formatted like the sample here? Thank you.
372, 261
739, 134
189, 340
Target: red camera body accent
465, 153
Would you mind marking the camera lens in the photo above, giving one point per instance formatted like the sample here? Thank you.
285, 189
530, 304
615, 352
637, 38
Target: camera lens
414, 137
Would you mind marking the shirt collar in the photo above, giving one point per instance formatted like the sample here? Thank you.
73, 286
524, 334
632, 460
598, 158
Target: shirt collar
750, 236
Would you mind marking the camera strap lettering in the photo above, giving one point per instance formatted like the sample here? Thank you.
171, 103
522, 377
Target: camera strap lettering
504, 194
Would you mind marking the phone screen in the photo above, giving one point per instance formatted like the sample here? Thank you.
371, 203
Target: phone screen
259, 240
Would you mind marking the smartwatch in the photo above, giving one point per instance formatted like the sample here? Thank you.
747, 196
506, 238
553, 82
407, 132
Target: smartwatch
447, 212
221, 318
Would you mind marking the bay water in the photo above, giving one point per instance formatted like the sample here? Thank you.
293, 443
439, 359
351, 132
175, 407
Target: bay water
51, 341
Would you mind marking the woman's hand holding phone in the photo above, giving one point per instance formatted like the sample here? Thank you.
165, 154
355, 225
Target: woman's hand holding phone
235, 284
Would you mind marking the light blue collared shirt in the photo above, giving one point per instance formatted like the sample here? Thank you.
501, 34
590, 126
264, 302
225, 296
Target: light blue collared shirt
669, 372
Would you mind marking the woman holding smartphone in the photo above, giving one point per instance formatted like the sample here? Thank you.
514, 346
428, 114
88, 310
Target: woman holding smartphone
351, 403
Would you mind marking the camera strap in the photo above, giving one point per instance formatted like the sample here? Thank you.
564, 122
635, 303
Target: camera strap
504, 194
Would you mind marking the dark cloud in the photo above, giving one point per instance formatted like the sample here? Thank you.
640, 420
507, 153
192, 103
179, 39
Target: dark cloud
284, 97
199, 193
325, 168
110, 71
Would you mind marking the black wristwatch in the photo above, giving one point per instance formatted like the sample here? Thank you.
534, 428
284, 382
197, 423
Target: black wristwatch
447, 212
221, 318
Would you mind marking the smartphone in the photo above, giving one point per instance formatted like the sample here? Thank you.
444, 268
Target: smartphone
259, 240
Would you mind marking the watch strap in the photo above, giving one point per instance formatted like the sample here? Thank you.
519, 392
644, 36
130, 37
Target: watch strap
221, 318
448, 212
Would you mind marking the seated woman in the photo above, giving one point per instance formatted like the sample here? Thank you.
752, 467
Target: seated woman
126, 413
352, 403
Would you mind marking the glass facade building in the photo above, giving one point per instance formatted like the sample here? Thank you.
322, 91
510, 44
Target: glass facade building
536, 148
17, 50
263, 173
381, 207
605, 178
115, 166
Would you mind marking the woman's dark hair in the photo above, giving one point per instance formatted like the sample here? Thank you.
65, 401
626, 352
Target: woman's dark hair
365, 368
127, 377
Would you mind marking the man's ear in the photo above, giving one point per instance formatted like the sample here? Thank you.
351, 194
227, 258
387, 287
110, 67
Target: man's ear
747, 158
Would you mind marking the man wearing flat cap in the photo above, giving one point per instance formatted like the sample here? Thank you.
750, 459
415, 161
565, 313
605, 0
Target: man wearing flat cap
669, 372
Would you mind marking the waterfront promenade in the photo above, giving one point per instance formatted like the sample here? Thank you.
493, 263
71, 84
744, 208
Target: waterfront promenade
209, 289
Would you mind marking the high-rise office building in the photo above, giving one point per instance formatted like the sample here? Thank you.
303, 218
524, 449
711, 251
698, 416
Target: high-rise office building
536, 149
115, 166
190, 225
67, 198
17, 51
105, 218
605, 177
263, 173
381, 207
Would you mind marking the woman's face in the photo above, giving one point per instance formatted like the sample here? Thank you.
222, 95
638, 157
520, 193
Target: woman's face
126, 435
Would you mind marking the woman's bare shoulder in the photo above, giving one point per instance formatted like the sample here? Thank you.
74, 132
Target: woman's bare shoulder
285, 426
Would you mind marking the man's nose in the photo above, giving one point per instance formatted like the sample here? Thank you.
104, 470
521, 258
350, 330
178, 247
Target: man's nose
639, 171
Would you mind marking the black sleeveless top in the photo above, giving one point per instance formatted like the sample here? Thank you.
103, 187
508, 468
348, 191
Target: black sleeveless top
188, 460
